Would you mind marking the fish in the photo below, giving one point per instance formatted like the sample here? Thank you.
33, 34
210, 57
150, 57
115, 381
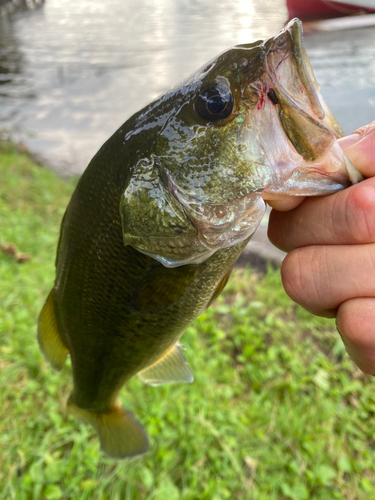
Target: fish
163, 211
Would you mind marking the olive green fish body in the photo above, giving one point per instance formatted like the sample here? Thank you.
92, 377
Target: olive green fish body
119, 309
163, 211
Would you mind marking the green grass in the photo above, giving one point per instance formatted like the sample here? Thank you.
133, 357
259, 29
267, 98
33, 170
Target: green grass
277, 410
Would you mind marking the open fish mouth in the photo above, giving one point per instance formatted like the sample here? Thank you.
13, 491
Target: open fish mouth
291, 132
288, 45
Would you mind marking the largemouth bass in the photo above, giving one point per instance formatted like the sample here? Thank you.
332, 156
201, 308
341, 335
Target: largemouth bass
166, 207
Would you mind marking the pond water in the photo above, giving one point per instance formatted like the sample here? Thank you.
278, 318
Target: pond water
72, 72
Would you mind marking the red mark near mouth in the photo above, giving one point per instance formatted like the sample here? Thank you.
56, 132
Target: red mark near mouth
261, 102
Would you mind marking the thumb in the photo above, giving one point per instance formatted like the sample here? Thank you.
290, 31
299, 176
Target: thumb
360, 148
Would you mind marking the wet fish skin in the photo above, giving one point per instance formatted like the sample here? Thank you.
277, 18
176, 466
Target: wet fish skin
161, 214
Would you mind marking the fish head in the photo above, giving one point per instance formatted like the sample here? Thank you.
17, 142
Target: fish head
249, 126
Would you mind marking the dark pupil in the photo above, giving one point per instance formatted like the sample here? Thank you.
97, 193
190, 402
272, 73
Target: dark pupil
216, 104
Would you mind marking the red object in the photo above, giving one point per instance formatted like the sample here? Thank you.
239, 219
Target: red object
321, 9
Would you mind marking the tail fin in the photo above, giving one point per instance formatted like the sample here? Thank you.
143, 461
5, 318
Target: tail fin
120, 434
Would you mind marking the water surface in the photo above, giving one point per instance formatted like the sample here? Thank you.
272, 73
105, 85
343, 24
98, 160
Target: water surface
72, 72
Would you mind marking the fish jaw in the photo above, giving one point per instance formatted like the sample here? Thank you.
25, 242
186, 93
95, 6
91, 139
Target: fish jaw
326, 175
282, 170
291, 133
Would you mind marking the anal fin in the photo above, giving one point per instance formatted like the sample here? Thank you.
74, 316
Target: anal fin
171, 367
49, 337
120, 434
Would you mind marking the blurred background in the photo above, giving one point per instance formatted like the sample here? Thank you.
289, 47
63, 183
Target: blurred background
72, 72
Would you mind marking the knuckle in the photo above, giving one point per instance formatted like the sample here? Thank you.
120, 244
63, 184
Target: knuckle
353, 322
366, 129
360, 213
291, 274
309, 278
356, 325
347, 325
302, 277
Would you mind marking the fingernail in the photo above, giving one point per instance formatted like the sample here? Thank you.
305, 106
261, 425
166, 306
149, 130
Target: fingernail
349, 140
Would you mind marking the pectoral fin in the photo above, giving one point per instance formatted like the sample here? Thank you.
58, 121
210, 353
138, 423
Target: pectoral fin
171, 367
120, 434
220, 287
49, 337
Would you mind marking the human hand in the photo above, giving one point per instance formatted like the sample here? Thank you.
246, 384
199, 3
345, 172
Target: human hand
330, 267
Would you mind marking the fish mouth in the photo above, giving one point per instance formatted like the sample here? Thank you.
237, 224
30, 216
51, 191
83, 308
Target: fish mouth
292, 133
288, 44
328, 174
297, 101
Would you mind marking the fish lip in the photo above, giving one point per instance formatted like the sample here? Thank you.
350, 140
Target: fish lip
340, 167
291, 38
330, 173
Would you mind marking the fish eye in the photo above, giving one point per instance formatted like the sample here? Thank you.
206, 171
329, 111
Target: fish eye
215, 103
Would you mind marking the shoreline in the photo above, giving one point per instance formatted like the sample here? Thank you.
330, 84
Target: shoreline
9, 7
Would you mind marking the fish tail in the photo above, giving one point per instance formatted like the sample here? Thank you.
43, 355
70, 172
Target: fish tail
49, 337
120, 434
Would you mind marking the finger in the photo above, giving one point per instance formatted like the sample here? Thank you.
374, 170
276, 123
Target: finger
356, 324
320, 278
285, 205
349, 140
344, 218
361, 152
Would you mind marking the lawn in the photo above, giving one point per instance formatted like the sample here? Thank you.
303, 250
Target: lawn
277, 410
